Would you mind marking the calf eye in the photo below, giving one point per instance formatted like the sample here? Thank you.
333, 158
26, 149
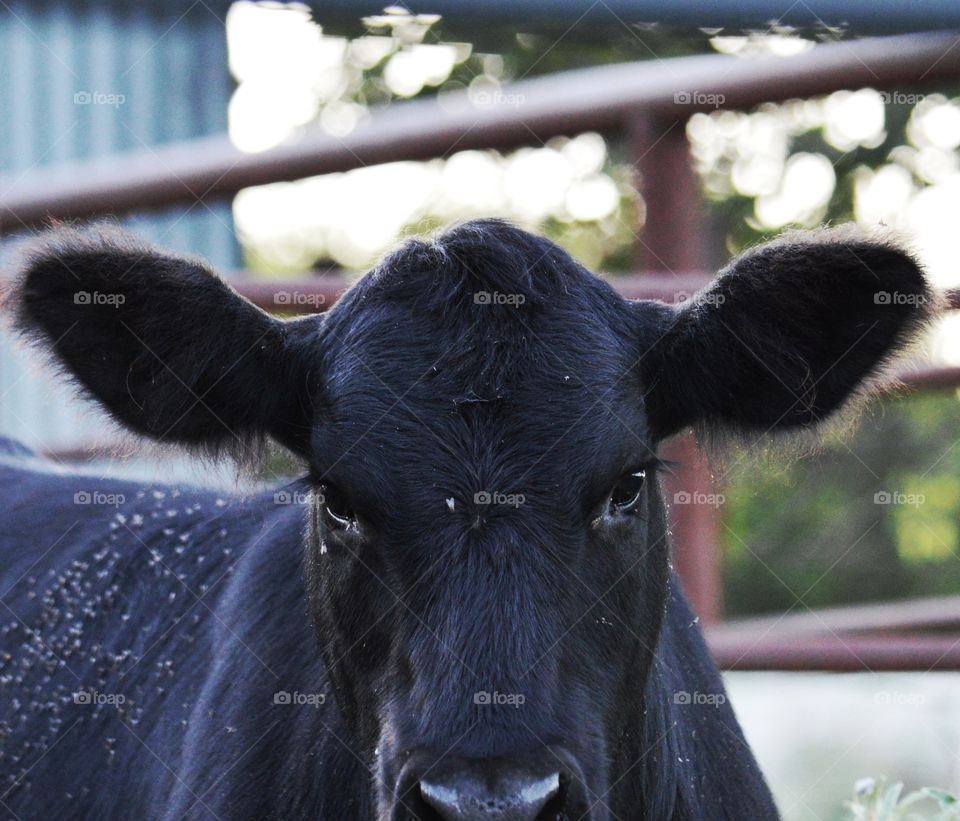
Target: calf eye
338, 510
626, 494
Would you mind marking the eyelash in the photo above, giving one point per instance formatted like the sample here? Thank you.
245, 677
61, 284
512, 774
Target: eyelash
643, 473
626, 493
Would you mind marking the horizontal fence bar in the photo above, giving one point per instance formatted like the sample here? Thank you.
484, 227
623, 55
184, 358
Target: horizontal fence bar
306, 295
924, 379
843, 653
603, 99
926, 614
911, 635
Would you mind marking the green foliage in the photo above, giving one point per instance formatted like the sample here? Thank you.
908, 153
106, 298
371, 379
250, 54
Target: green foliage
810, 531
875, 800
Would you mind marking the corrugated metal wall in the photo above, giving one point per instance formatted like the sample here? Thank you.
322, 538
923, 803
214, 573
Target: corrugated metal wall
166, 69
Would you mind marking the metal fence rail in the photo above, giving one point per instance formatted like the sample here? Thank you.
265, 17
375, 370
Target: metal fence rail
607, 99
918, 634
841, 654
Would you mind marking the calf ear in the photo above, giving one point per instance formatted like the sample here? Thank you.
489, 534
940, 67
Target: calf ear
162, 343
785, 334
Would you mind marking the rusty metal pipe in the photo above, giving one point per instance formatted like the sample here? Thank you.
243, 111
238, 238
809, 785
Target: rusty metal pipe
605, 98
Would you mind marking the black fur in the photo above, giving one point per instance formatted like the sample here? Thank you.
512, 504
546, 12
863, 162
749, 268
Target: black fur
784, 332
132, 326
486, 360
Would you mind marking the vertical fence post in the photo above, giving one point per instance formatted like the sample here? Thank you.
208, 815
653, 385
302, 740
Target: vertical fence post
671, 241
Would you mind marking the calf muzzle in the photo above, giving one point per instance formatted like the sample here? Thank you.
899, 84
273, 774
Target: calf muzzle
542, 786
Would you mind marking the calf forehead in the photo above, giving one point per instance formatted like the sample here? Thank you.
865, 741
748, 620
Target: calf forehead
475, 358
484, 400
478, 355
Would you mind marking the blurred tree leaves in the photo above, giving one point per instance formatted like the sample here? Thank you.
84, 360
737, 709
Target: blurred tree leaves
812, 532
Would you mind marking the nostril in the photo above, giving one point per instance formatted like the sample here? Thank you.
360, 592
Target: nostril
556, 808
466, 799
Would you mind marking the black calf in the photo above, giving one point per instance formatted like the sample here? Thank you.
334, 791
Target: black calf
466, 612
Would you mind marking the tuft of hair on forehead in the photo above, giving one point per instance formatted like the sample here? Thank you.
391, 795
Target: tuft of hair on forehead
478, 258
495, 299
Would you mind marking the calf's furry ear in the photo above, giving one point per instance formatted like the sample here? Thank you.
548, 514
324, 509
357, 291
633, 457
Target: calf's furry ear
162, 343
785, 334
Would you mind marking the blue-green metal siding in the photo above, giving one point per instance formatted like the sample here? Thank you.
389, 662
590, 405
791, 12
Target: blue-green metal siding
170, 64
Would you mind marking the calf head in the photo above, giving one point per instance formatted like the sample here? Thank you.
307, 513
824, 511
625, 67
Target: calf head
486, 555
